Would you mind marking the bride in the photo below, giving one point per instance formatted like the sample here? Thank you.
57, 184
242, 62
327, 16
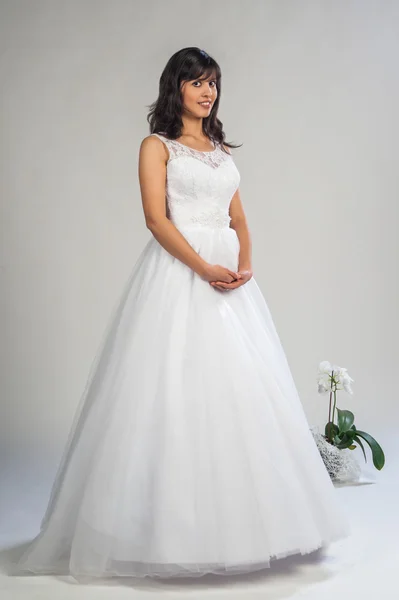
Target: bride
190, 451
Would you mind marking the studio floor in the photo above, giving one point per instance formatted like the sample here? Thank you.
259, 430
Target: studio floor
362, 567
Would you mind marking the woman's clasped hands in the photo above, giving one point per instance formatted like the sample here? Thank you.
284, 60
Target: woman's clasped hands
224, 279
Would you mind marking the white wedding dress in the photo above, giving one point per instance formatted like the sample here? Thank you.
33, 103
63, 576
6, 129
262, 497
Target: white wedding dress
190, 452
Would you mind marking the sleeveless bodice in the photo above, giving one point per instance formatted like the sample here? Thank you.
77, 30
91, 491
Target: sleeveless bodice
199, 185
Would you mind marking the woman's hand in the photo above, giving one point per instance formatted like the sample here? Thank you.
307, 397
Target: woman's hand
243, 276
218, 273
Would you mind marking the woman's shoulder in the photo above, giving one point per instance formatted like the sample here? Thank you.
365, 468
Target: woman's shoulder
153, 143
153, 138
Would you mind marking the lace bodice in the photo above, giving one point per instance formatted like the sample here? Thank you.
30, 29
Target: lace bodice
199, 185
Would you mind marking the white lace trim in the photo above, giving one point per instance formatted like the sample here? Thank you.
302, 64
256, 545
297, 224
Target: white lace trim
217, 219
213, 158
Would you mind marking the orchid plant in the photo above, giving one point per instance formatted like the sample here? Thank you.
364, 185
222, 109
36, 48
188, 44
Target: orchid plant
330, 379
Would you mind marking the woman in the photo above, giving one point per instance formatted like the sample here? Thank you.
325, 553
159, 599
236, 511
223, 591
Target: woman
190, 452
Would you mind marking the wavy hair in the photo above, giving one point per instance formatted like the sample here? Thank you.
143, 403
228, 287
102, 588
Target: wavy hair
165, 115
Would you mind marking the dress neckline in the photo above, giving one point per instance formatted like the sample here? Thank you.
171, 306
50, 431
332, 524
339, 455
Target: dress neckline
189, 147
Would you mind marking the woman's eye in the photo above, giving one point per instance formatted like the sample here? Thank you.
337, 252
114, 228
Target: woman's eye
213, 82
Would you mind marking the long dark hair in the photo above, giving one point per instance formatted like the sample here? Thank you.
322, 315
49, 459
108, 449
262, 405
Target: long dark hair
165, 113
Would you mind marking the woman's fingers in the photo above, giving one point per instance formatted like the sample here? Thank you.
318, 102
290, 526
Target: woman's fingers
234, 274
216, 285
221, 285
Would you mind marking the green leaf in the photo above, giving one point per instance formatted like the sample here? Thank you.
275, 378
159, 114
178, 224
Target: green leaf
330, 430
345, 419
359, 441
376, 450
346, 439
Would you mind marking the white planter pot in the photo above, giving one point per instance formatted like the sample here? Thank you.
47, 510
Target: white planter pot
341, 464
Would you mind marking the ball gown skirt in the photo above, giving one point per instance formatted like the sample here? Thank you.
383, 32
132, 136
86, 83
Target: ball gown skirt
190, 452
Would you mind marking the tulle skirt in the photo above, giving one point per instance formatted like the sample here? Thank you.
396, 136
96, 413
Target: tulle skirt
190, 452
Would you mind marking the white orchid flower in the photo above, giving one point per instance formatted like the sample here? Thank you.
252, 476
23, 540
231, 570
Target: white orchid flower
333, 376
323, 387
346, 382
325, 367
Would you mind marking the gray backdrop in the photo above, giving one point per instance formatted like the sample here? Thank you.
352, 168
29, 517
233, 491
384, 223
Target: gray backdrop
311, 90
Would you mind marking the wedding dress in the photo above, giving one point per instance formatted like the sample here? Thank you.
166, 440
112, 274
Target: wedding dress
190, 452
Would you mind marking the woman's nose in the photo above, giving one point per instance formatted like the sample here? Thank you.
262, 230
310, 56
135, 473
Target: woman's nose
208, 91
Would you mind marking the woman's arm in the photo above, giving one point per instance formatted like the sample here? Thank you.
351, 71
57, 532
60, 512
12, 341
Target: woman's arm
152, 176
239, 223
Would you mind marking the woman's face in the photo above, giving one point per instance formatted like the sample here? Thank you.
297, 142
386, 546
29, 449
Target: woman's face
196, 92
